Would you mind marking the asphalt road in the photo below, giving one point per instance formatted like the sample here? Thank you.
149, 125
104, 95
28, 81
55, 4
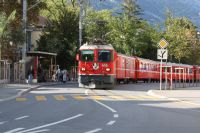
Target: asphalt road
69, 109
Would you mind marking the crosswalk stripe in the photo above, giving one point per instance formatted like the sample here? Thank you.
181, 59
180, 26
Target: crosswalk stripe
59, 97
79, 97
21, 99
96, 97
116, 97
147, 97
40, 98
132, 97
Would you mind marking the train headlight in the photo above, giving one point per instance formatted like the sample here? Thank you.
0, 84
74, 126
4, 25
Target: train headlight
108, 69
82, 69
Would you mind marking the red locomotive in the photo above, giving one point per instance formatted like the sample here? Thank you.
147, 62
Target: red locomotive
100, 66
97, 65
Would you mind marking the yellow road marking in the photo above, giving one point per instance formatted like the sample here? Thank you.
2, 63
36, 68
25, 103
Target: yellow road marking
132, 97
117, 97
146, 97
21, 99
79, 97
59, 97
96, 97
40, 98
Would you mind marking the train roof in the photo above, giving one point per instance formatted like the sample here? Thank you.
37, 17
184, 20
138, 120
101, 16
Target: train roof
123, 55
96, 45
148, 60
179, 65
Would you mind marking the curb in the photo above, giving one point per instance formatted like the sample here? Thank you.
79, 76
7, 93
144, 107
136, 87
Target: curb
151, 93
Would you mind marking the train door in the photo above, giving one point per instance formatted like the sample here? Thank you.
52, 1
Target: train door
137, 66
133, 69
128, 68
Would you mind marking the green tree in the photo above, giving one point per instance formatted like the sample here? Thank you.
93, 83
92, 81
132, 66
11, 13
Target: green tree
61, 35
96, 24
181, 34
4, 29
8, 6
33, 10
130, 34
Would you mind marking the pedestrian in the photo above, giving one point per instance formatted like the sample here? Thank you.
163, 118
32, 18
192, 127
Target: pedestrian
64, 76
30, 75
58, 74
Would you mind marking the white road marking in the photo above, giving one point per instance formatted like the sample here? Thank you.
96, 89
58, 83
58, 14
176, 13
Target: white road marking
19, 118
51, 124
94, 131
14, 130
1, 123
39, 131
110, 123
115, 115
109, 108
195, 110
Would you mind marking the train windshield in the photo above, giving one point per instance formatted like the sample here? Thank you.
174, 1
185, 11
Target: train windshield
87, 55
104, 56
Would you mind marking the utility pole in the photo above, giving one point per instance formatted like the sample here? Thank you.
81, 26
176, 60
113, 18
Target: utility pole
80, 22
24, 45
24, 27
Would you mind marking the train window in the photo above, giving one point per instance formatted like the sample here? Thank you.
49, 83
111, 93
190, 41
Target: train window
141, 66
145, 66
190, 70
87, 55
104, 56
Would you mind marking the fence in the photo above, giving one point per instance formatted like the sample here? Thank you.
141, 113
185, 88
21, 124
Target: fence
4, 72
18, 72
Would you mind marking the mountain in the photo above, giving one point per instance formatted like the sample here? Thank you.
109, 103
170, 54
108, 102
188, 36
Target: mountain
154, 10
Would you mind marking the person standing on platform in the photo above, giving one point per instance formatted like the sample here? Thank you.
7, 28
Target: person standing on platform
58, 74
64, 76
30, 75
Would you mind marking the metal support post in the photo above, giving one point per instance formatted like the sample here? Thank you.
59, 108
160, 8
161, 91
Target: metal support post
0, 62
80, 22
171, 80
166, 78
161, 74
24, 27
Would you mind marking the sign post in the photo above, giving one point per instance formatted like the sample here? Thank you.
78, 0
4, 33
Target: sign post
162, 54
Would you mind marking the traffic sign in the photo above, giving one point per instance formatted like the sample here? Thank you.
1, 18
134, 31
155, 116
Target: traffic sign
163, 43
162, 54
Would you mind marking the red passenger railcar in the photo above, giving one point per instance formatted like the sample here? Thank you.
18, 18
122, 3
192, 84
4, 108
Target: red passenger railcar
196, 73
147, 70
101, 67
125, 66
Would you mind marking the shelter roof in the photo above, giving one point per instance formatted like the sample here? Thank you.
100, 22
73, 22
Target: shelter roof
40, 53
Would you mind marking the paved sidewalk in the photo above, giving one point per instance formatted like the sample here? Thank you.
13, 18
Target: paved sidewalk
189, 95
